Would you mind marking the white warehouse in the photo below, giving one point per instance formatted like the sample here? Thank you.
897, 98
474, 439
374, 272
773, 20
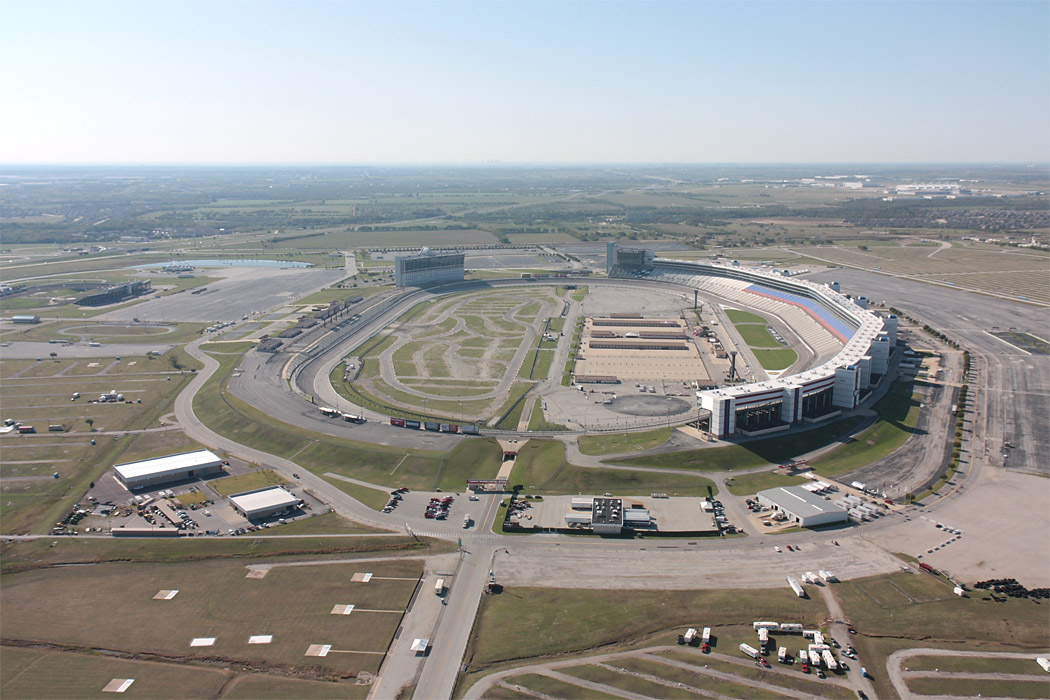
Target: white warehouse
802, 507
264, 502
161, 470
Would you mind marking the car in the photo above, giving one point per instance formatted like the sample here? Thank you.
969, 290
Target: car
820, 673
473, 498
852, 631
705, 648
428, 515
861, 695
843, 665
805, 667
835, 643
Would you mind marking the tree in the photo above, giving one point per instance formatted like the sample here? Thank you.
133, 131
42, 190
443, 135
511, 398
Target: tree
54, 355
91, 424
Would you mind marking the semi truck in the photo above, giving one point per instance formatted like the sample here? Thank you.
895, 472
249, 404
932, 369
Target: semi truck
796, 587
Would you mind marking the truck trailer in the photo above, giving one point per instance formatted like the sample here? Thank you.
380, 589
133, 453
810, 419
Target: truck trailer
748, 650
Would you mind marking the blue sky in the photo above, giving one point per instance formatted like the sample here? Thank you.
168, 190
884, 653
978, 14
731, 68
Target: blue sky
217, 81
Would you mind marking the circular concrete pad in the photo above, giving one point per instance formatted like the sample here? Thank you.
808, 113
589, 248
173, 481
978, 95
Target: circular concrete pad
649, 405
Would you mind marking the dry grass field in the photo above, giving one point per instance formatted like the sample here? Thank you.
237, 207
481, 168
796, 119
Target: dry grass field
43, 674
111, 606
39, 394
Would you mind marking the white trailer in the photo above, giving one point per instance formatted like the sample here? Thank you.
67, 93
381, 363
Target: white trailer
859, 485
582, 503
748, 650
791, 627
809, 577
796, 587
706, 637
763, 637
803, 656
1044, 663
782, 654
439, 586
829, 660
818, 637
768, 625
690, 635
828, 576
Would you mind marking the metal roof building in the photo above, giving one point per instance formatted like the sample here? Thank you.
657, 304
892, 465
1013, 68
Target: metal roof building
264, 502
802, 507
160, 470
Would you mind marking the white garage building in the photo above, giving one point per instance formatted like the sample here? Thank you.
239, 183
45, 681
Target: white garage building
161, 470
802, 507
264, 502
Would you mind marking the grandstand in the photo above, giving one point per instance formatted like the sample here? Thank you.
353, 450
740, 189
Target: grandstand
852, 344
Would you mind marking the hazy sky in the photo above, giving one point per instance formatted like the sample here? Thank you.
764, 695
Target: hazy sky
364, 82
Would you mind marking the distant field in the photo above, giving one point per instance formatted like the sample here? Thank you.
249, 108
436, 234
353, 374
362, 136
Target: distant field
1009, 271
39, 393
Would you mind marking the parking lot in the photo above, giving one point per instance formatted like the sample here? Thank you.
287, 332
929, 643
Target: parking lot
190, 505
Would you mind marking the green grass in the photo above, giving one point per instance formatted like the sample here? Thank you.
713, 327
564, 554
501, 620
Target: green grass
753, 453
19, 556
629, 442
748, 484
627, 682
373, 498
522, 623
323, 524
543, 365
261, 687
247, 482
749, 671
887, 621
973, 687
215, 599
775, 360
510, 421
973, 664
43, 674
898, 413
740, 316
554, 688
541, 468
757, 336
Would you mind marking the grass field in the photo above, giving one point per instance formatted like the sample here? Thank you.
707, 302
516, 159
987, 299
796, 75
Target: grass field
778, 359
38, 393
214, 600
749, 454
323, 524
629, 442
972, 664
756, 335
906, 610
523, 623
542, 469
740, 316
538, 422
22, 556
974, 688
247, 482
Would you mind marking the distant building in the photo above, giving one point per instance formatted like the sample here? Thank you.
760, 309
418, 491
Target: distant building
427, 268
116, 294
25, 319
